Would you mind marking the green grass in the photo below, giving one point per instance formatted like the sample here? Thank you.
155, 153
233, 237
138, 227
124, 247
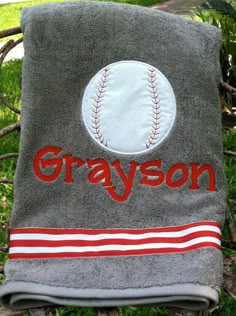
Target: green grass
10, 13
10, 74
230, 169
124, 311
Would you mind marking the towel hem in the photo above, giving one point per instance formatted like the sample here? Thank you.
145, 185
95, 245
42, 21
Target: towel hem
18, 295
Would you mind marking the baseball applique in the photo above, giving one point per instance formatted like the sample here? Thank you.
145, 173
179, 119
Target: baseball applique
129, 107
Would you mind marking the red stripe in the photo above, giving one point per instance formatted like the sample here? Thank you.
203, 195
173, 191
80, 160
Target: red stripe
59, 231
111, 253
48, 243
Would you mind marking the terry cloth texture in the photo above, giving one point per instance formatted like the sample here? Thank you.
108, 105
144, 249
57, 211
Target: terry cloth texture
100, 220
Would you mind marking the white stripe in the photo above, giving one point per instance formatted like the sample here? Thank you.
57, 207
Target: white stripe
113, 247
51, 237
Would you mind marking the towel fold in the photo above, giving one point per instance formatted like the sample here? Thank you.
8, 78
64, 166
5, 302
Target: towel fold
119, 188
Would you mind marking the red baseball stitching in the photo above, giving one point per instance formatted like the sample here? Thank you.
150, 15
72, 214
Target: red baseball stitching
97, 107
156, 109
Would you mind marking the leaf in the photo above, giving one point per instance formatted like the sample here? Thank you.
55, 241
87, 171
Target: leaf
221, 6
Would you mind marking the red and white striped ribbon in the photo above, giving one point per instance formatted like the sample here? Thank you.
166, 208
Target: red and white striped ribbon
39, 243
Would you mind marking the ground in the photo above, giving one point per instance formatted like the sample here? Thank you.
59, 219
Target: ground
182, 7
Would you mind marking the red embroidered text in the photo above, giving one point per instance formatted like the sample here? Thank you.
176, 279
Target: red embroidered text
100, 171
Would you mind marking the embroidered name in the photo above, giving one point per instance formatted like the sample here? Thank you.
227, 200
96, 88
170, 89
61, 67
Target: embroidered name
100, 171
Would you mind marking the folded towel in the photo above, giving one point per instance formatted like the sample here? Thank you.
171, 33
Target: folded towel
119, 188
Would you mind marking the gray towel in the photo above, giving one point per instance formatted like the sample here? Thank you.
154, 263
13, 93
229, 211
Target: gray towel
119, 188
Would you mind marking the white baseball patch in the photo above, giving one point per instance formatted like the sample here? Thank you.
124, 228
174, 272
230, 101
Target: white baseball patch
129, 107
